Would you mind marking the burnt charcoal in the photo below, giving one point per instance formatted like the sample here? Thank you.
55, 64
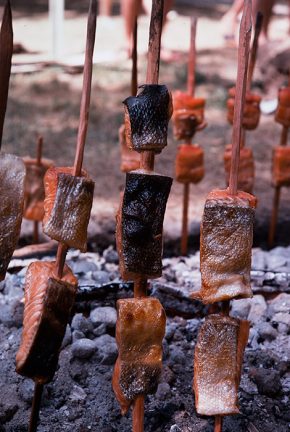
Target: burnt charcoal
48, 305
146, 118
140, 225
12, 174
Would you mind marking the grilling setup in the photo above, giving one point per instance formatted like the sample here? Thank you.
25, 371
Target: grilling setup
61, 199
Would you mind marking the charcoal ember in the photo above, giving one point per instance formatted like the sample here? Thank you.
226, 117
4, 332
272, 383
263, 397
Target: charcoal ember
67, 206
251, 114
140, 224
218, 363
246, 168
189, 166
282, 114
48, 306
188, 115
12, 175
281, 166
130, 160
34, 188
146, 118
139, 333
226, 246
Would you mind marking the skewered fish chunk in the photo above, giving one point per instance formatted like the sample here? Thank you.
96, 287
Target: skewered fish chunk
246, 168
146, 118
140, 224
226, 246
189, 167
281, 166
282, 114
12, 174
129, 158
48, 304
218, 363
139, 333
67, 206
251, 116
34, 188
188, 115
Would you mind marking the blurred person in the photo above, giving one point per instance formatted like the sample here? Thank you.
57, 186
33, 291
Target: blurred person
130, 9
105, 7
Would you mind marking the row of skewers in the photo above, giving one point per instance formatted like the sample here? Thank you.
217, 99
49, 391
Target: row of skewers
226, 235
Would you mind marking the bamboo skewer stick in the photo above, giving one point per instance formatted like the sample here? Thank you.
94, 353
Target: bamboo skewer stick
243, 58
218, 423
147, 163
38, 163
274, 216
190, 91
6, 51
38, 390
254, 51
84, 115
134, 73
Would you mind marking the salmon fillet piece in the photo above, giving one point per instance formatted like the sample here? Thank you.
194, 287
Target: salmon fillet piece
246, 168
189, 165
188, 115
251, 115
282, 114
281, 166
130, 160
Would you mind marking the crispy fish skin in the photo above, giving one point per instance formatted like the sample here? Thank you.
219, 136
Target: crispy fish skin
146, 118
251, 115
282, 114
188, 115
139, 333
12, 174
218, 363
130, 160
246, 168
226, 246
67, 206
281, 166
189, 165
34, 188
48, 304
140, 224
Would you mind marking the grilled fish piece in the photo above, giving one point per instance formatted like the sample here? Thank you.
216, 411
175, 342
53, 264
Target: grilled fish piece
48, 305
281, 166
188, 115
34, 188
218, 363
282, 114
189, 167
140, 224
246, 168
226, 246
146, 118
139, 333
67, 206
252, 112
12, 174
130, 160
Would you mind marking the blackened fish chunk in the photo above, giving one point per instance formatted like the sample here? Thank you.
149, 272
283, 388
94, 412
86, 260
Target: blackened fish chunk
146, 118
12, 174
48, 305
67, 206
140, 224
139, 333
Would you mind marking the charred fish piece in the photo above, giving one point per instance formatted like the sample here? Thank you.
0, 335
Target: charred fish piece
281, 166
130, 160
12, 175
48, 305
146, 118
218, 363
139, 333
188, 115
67, 206
226, 246
246, 168
140, 225
189, 165
251, 113
34, 188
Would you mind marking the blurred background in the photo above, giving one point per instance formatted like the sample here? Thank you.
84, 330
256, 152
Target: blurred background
45, 91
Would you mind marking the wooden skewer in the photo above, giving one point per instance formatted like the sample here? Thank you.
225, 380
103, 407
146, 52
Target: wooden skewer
274, 216
38, 390
190, 91
254, 51
243, 58
38, 162
284, 136
218, 424
134, 76
84, 115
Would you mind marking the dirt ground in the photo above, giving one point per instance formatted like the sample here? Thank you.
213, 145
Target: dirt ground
47, 102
